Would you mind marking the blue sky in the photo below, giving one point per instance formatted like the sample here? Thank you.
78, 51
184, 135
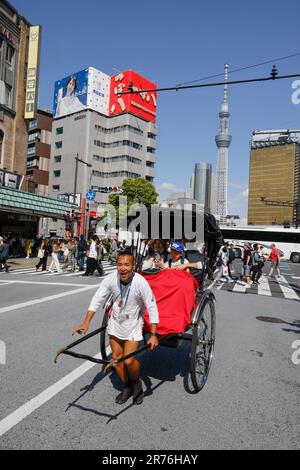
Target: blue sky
173, 42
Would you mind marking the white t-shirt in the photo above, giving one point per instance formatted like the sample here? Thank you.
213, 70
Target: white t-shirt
93, 250
126, 322
176, 263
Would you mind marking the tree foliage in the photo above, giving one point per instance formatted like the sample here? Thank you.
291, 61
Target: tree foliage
137, 191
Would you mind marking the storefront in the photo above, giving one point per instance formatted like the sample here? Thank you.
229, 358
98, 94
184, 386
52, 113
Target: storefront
26, 214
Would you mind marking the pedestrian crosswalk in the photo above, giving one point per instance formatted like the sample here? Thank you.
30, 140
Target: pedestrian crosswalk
276, 287
26, 271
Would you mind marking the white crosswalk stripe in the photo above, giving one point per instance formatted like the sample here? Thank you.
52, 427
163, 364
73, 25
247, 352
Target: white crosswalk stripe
107, 267
279, 288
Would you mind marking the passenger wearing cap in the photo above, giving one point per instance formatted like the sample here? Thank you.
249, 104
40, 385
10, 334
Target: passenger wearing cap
178, 260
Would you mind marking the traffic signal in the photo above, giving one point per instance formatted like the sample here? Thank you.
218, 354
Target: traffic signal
108, 189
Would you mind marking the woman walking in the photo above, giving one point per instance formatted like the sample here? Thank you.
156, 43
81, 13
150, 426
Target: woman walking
55, 261
71, 258
43, 253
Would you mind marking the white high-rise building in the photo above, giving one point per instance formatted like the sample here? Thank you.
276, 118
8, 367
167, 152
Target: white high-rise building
223, 141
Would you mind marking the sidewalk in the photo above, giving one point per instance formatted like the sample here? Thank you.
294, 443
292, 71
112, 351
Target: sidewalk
17, 263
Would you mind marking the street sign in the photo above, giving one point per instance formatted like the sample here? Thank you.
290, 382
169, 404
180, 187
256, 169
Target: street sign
90, 196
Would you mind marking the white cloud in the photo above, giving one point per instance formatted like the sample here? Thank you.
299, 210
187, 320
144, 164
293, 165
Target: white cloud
246, 192
168, 187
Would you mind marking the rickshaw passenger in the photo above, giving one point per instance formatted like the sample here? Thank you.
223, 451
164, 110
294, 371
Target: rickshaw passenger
156, 251
178, 260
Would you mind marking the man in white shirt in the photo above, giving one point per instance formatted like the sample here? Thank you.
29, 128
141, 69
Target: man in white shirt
131, 294
91, 262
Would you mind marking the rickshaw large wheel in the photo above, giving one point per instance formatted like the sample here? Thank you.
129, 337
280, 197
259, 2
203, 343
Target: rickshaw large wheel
203, 344
104, 338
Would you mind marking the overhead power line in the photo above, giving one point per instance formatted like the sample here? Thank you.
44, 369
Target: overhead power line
274, 76
272, 61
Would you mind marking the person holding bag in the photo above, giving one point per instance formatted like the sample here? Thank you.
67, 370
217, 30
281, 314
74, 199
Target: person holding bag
43, 253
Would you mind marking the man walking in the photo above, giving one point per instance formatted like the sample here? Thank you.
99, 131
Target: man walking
92, 258
82, 247
131, 294
275, 261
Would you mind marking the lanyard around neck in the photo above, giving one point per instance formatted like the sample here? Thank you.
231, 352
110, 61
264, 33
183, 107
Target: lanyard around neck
125, 289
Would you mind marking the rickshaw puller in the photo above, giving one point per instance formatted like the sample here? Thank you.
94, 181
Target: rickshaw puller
131, 294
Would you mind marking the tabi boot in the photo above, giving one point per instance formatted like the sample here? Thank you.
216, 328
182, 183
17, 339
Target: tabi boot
123, 396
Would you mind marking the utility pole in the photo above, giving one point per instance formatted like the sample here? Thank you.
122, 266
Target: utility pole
77, 160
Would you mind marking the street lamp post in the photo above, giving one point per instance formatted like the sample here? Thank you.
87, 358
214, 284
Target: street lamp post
77, 160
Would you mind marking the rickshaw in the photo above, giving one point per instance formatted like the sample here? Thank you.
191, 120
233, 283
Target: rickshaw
199, 326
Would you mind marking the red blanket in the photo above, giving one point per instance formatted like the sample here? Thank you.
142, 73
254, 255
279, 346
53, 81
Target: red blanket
174, 292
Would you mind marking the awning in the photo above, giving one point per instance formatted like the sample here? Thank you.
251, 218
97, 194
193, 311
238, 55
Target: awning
29, 203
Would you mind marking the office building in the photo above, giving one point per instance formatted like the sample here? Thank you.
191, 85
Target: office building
38, 152
274, 181
202, 184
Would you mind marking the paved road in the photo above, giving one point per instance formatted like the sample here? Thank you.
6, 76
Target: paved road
251, 399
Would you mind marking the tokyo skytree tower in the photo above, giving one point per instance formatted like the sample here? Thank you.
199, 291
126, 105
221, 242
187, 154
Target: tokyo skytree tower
223, 141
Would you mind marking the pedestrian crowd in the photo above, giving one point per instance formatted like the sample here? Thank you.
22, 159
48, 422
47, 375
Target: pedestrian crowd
73, 254
254, 258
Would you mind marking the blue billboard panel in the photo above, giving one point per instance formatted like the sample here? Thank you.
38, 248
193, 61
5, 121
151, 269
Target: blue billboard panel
70, 94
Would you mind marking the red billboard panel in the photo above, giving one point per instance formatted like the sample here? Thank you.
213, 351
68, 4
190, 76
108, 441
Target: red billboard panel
140, 104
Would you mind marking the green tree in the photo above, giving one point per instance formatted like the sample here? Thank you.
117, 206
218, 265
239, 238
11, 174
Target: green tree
137, 191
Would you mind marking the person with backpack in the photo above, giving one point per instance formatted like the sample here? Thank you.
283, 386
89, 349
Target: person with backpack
231, 258
247, 265
257, 264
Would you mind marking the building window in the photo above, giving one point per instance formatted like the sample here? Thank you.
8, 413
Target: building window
31, 151
55, 187
8, 95
56, 173
149, 178
59, 130
151, 136
118, 143
150, 164
58, 145
10, 52
57, 158
115, 174
125, 127
33, 137
33, 124
118, 158
151, 150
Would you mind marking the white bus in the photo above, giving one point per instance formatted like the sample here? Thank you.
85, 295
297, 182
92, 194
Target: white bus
287, 240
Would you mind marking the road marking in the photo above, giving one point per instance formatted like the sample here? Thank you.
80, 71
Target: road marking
264, 287
239, 288
25, 410
295, 277
46, 283
45, 299
287, 290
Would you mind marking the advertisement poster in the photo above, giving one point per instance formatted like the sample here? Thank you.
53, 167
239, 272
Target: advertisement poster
140, 103
70, 94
